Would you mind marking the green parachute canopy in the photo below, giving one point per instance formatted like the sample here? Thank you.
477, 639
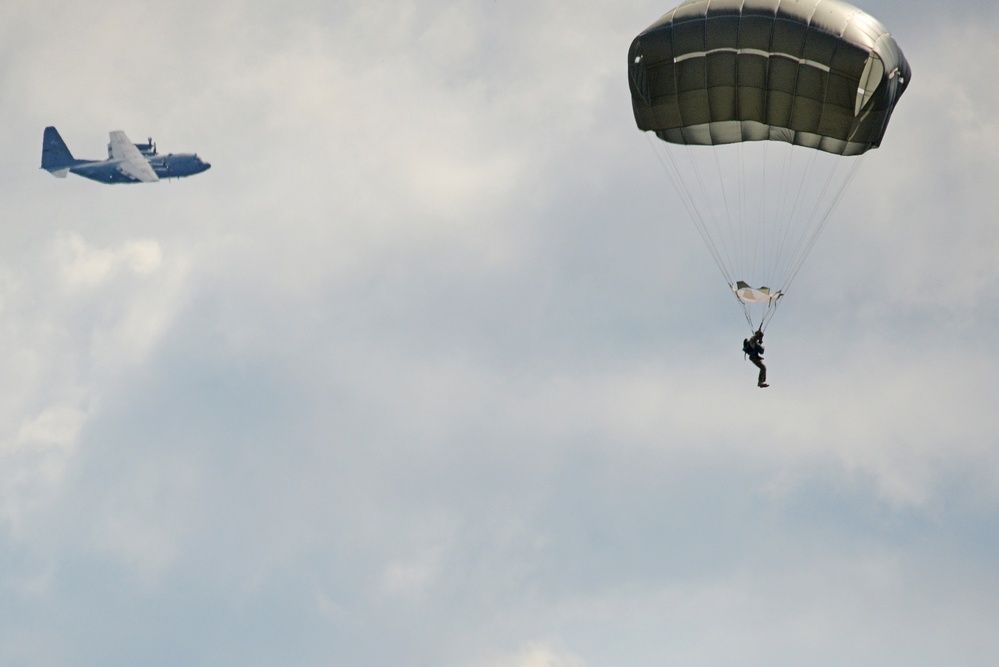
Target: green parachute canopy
816, 76
817, 73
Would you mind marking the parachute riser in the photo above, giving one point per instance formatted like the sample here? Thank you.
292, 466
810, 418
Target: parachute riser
768, 314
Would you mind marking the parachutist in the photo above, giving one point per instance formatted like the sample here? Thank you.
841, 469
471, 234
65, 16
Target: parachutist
753, 347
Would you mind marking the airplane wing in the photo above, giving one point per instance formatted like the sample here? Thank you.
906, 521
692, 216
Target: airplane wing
130, 160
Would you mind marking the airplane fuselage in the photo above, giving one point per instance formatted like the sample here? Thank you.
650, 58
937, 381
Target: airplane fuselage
171, 165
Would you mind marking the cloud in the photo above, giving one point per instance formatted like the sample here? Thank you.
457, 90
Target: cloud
85, 267
918, 237
430, 368
75, 323
33, 462
536, 656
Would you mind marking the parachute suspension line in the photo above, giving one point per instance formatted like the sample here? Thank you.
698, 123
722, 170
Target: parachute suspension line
742, 193
731, 233
787, 221
768, 315
806, 177
696, 216
762, 224
778, 215
717, 239
747, 313
764, 242
796, 266
672, 170
809, 229
746, 228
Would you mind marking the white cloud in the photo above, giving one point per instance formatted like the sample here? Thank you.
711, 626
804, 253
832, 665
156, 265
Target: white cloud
33, 462
412, 577
56, 426
84, 266
429, 355
77, 318
916, 236
535, 656
144, 520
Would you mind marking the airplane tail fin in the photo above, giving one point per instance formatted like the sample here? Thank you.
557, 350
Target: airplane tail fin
56, 158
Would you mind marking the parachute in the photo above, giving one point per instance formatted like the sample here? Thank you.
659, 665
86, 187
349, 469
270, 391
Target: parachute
763, 111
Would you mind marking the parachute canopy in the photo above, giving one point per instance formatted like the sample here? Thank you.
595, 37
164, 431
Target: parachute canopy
765, 109
816, 73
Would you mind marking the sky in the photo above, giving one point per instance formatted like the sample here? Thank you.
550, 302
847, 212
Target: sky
432, 369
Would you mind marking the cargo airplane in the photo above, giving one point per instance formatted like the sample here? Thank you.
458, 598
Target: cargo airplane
126, 163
